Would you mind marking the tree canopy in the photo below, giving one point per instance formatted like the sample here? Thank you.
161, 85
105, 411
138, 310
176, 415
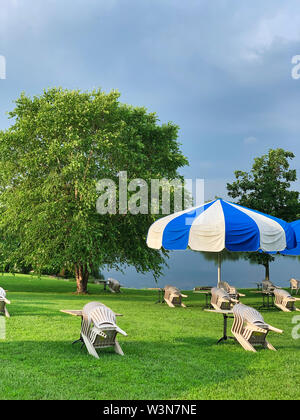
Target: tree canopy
58, 147
267, 188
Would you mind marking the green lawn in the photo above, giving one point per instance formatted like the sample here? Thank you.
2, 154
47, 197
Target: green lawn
169, 353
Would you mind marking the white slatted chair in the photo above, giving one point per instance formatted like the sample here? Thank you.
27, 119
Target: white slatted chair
268, 286
295, 285
114, 285
232, 291
284, 301
173, 296
3, 303
220, 299
250, 329
99, 328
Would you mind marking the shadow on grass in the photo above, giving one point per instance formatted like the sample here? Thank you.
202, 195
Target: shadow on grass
151, 370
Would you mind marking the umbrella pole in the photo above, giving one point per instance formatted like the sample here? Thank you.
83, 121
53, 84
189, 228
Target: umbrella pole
219, 269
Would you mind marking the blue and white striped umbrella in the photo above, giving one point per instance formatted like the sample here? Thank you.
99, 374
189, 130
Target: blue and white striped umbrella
221, 224
295, 251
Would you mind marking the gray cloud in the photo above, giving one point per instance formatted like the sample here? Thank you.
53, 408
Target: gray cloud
221, 70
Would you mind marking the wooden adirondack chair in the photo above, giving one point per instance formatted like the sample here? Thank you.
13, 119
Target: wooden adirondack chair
284, 301
3, 303
99, 328
173, 296
114, 285
268, 286
250, 329
232, 291
295, 285
221, 300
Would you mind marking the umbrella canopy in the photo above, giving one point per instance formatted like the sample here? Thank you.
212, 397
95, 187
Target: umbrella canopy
221, 224
295, 251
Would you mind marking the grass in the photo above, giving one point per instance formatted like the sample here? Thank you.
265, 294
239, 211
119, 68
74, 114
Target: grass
169, 353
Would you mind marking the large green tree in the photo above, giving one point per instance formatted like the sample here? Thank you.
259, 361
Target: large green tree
59, 146
267, 188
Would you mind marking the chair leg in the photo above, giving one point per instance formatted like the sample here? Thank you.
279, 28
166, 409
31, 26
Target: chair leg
118, 349
244, 343
269, 346
90, 347
282, 308
169, 303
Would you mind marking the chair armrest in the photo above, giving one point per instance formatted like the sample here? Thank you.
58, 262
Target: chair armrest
255, 328
277, 330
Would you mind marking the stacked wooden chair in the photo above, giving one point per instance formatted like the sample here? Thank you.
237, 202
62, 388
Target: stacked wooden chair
284, 301
114, 285
173, 296
3, 303
221, 300
232, 291
295, 285
250, 329
99, 328
268, 286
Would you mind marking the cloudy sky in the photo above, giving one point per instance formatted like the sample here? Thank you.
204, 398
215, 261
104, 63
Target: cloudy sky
219, 69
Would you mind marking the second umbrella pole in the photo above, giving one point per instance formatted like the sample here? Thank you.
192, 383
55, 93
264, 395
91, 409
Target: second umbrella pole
219, 268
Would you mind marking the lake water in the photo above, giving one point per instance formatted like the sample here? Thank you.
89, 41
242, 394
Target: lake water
188, 269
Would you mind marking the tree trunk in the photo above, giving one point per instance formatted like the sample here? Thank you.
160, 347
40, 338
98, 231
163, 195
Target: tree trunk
82, 276
266, 265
